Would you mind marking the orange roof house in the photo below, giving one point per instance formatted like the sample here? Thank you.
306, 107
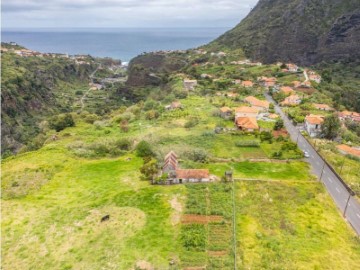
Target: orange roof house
314, 119
246, 111
287, 90
345, 149
225, 109
313, 124
225, 112
247, 123
292, 100
323, 107
267, 82
296, 83
247, 84
258, 104
232, 94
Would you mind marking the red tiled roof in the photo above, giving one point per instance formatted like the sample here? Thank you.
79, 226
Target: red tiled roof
245, 109
192, 173
314, 119
247, 83
349, 150
225, 109
256, 102
287, 90
171, 154
247, 123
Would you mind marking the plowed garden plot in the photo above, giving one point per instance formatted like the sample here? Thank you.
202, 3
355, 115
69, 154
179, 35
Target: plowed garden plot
206, 230
200, 219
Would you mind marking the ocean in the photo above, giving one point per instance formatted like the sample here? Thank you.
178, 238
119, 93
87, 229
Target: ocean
118, 43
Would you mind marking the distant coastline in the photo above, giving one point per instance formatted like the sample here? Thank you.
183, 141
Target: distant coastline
118, 43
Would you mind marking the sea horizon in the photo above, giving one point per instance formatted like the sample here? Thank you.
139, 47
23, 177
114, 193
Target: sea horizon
118, 43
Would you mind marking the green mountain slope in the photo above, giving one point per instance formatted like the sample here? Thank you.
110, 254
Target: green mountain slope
33, 88
303, 31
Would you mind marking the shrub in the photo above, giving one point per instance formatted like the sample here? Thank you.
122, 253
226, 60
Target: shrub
61, 122
78, 92
279, 124
287, 146
197, 155
191, 123
149, 168
123, 144
150, 115
266, 136
149, 105
277, 154
143, 149
91, 118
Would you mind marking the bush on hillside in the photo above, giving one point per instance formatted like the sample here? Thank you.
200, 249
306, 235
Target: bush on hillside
61, 122
144, 149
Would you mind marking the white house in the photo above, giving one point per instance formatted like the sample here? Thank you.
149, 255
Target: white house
313, 124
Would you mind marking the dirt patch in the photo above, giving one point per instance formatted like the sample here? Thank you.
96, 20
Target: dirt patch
306, 90
195, 268
200, 219
144, 265
281, 132
218, 253
177, 206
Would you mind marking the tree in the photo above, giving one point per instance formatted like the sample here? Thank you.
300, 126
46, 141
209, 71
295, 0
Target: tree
150, 168
143, 149
61, 122
279, 124
331, 127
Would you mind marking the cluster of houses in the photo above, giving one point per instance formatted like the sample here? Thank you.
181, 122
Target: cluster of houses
246, 62
246, 116
175, 175
79, 59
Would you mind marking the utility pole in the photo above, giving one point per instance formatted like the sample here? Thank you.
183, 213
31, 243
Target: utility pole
346, 206
322, 171
342, 165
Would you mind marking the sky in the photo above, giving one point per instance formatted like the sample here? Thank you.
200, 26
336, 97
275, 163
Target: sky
123, 13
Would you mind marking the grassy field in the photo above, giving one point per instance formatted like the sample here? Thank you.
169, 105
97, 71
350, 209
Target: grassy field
291, 226
54, 198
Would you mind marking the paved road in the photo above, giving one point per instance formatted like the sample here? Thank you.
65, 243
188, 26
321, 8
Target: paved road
334, 186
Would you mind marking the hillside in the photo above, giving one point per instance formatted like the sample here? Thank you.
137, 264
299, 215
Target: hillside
302, 31
37, 86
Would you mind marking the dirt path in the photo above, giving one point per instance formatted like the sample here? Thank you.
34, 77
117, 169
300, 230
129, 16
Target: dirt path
177, 206
88, 91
